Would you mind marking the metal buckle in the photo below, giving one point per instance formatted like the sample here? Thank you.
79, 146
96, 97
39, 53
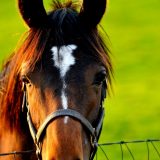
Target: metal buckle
94, 142
38, 150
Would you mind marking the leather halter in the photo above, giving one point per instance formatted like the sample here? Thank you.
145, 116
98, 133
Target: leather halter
93, 131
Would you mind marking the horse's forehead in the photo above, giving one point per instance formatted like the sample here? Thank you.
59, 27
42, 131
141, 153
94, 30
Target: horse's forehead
63, 58
72, 60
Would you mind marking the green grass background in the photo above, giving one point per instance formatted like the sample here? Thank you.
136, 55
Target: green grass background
133, 111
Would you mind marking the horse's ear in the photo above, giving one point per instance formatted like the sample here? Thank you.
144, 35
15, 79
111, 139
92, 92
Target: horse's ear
92, 12
33, 12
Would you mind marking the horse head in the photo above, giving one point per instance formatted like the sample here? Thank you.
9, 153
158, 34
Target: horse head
64, 69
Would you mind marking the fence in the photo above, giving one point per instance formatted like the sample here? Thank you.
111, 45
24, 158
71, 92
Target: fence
126, 152
123, 147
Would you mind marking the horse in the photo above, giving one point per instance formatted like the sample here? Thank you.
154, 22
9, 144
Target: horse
53, 86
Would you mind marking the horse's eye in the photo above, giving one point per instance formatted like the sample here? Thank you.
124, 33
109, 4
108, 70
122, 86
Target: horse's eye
25, 79
99, 78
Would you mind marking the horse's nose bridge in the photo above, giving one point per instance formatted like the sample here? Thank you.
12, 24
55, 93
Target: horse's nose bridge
64, 140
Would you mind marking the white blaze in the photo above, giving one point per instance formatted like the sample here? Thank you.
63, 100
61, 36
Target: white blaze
63, 59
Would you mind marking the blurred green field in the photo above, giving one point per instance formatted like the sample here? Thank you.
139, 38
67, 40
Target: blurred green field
133, 110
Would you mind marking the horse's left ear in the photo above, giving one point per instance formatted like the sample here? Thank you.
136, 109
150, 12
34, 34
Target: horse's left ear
92, 12
33, 12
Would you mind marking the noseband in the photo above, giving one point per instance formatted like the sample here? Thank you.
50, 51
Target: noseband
94, 132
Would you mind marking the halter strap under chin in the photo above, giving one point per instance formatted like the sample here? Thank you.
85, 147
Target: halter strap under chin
37, 135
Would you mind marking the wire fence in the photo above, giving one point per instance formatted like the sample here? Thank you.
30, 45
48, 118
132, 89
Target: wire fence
126, 151
124, 148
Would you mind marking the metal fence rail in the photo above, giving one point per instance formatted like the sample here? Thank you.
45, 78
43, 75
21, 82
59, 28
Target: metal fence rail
125, 145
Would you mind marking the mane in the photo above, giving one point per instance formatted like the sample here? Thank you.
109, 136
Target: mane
63, 28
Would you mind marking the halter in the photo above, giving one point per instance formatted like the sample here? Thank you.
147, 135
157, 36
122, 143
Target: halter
93, 131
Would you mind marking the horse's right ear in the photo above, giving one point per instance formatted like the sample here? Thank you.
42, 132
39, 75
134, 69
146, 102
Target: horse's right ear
33, 12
